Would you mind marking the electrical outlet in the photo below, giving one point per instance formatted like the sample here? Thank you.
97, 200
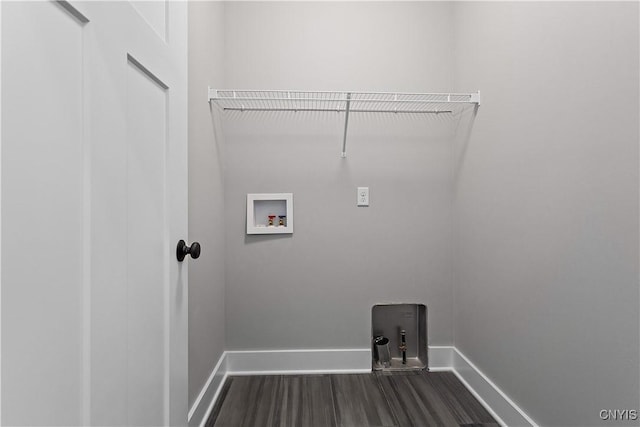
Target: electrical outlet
363, 196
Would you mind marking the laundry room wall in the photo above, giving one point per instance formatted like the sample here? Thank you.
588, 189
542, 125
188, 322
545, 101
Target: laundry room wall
546, 283
314, 289
206, 196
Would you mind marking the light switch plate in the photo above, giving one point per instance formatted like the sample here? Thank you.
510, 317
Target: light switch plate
363, 196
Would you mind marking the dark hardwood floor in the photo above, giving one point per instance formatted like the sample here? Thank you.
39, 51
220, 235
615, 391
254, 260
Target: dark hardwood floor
349, 400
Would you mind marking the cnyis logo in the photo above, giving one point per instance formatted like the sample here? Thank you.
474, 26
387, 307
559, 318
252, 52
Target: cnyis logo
619, 414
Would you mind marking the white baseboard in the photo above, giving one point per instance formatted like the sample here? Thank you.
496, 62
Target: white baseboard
503, 409
272, 362
282, 362
201, 408
440, 358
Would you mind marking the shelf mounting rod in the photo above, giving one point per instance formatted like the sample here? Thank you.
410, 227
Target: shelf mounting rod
346, 125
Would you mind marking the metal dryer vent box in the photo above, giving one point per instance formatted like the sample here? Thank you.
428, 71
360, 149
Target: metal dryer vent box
389, 320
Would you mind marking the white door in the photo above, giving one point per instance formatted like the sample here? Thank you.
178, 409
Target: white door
93, 202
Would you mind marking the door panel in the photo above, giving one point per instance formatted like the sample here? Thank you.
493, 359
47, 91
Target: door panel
154, 12
93, 202
42, 222
147, 279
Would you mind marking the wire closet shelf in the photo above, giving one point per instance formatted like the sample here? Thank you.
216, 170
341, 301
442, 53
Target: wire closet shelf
342, 102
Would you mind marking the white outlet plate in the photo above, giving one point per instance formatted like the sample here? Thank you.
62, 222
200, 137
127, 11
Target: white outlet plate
363, 196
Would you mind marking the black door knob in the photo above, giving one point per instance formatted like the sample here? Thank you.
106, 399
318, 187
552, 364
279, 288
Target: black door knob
182, 250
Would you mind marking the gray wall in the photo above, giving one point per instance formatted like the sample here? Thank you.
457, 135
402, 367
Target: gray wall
546, 297
315, 288
536, 277
206, 196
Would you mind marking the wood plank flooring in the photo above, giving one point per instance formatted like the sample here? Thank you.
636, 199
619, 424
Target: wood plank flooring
398, 399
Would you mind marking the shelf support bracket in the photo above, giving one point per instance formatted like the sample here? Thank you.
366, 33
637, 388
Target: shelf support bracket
346, 125
475, 98
211, 94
